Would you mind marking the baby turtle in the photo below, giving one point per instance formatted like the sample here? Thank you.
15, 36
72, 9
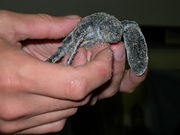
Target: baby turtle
104, 28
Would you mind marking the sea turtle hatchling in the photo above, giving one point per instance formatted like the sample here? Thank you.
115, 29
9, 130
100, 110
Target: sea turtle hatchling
101, 27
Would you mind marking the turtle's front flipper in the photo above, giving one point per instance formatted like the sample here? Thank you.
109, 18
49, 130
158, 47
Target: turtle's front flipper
136, 47
57, 55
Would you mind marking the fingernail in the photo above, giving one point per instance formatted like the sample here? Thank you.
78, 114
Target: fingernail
72, 16
118, 53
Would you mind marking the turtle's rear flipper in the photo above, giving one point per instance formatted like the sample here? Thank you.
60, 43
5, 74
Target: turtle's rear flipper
136, 47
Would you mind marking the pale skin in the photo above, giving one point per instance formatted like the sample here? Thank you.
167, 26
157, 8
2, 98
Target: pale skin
37, 97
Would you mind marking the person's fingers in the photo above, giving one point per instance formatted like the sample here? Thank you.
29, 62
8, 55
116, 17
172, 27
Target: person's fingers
118, 70
39, 120
35, 26
130, 81
47, 104
112, 86
47, 128
68, 82
13, 106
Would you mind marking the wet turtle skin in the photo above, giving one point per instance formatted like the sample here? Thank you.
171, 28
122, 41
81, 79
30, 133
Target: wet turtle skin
104, 28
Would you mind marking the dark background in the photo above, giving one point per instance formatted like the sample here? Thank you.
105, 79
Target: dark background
154, 108
146, 12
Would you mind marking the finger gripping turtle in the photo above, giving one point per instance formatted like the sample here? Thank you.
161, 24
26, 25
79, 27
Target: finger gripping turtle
104, 28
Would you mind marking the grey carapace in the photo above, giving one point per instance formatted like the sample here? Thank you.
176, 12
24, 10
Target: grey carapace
101, 27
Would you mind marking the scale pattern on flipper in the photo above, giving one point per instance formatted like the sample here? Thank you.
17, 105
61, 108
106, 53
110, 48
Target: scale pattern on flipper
136, 47
100, 28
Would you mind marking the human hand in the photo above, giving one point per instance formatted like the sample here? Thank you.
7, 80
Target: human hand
37, 97
123, 80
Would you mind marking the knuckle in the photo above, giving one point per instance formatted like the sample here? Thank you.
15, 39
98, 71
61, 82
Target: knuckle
48, 20
77, 89
45, 17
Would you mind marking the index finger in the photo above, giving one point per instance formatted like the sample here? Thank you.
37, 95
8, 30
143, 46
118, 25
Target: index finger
68, 82
35, 26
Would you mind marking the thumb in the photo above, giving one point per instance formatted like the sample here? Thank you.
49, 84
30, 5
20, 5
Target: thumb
67, 82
